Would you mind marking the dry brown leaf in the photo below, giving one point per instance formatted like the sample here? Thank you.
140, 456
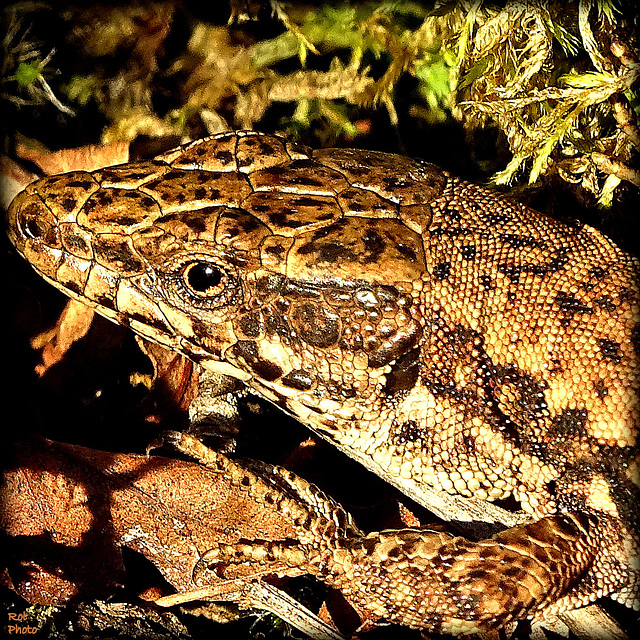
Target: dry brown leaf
72, 325
67, 509
60, 543
175, 377
87, 158
13, 179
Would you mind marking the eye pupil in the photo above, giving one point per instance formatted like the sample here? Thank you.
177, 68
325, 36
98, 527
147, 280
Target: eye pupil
203, 276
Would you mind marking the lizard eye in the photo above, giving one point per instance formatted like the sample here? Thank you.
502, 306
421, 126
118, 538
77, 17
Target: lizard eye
202, 278
201, 282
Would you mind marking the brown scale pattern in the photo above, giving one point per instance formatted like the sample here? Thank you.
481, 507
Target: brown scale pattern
440, 334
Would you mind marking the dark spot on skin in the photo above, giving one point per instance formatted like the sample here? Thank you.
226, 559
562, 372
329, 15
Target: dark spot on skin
395, 553
334, 252
76, 242
369, 544
391, 182
609, 349
250, 324
174, 174
442, 271
275, 323
404, 373
570, 305
275, 171
80, 184
304, 201
512, 272
194, 220
530, 402
624, 294
407, 252
281, 218
493, 219
487, 553
248, 351
68, 204
105, 301
225, 157
248, 223
104, 198
360, 170
339, 392
468, 252
246, 161
275, 250
486, 283
469, 443
464, 335
517, 241
606, 303
570, 422
599, 273
265, 146
125, 221
72, 285
120, 254
514, 572
374, 244
329, 231
298, 379
601, 389
408, 431
199, 193
316, 325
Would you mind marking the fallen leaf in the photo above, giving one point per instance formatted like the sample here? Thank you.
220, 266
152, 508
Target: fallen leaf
86, 158
67, 509
72, 325
175, 376
56, 518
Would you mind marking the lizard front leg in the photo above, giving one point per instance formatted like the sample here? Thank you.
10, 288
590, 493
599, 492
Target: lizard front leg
435, 581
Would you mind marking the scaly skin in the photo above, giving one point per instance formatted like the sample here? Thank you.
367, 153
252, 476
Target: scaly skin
440, 334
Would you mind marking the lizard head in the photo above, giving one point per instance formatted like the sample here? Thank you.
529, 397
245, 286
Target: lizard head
274, 286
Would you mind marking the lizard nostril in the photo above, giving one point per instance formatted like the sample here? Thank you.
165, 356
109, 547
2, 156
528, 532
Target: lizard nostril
34, 228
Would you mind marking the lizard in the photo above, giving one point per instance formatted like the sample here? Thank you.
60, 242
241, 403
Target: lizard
443, 335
